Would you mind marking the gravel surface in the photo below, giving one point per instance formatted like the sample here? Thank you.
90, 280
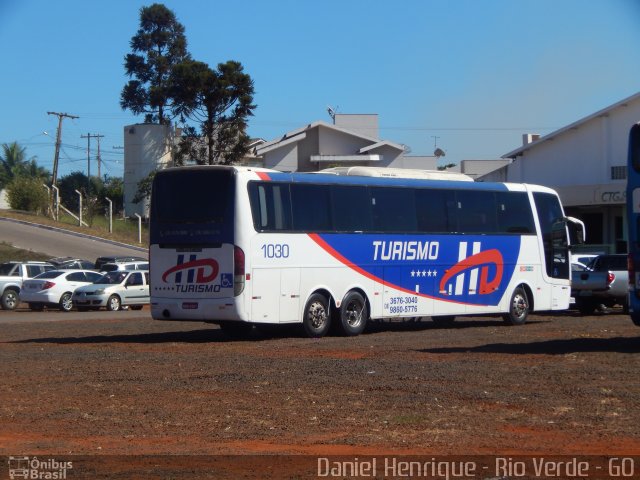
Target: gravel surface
560, 384
125, 384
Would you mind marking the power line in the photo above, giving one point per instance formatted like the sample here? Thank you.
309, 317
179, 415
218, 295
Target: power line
89, 136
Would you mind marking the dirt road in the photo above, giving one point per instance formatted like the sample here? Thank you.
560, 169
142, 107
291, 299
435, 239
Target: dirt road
561, 384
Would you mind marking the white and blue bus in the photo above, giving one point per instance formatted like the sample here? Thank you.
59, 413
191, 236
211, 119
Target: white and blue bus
243, 246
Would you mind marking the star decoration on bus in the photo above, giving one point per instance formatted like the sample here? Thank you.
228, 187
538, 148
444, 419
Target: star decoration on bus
424, 273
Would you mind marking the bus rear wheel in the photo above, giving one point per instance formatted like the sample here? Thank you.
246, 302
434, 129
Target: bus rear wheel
518, 308
317, 317
353, 314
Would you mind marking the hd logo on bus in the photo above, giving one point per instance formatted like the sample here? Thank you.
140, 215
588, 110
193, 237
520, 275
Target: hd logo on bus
477, 268
196, 275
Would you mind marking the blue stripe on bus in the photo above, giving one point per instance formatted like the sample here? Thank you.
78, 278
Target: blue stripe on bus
469, 269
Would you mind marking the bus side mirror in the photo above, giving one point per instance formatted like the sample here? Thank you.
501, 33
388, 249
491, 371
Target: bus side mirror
577, 233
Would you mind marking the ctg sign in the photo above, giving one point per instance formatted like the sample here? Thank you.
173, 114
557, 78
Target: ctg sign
611, 196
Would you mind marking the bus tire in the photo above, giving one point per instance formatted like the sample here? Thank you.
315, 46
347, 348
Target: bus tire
353, 314
518, 308
317, 317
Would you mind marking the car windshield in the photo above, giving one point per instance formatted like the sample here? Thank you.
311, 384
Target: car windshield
112, 278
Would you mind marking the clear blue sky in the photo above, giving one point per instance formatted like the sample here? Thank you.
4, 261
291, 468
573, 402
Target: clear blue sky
475, 73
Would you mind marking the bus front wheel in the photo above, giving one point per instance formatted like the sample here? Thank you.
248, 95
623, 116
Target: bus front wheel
317, 318
518, 308
353, 314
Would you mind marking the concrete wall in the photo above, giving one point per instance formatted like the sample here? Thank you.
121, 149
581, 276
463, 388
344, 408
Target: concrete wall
146, 148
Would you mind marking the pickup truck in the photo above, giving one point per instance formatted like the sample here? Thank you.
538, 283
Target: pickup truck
12, 274
605, 282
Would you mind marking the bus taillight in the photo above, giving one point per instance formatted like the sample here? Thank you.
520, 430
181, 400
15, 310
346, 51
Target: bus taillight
238, 271
632, 270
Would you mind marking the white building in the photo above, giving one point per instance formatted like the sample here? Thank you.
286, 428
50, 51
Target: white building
352, 140
147, 147
586, 163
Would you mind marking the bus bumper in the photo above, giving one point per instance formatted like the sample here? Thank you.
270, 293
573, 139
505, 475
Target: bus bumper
207, 310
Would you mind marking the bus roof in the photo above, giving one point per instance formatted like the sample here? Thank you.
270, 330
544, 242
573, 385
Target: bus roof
383, 172
332, 176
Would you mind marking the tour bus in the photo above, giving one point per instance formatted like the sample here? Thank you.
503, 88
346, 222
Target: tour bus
633, 221
241, 246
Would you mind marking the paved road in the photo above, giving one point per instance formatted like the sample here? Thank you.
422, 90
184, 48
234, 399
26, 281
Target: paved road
58, 243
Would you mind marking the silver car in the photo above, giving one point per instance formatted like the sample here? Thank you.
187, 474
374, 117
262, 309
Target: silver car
114, 290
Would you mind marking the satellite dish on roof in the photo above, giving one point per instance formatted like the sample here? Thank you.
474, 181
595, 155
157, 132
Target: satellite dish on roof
439, 152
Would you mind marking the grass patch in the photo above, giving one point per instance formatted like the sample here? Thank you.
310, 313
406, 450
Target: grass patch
124, 230
8, 252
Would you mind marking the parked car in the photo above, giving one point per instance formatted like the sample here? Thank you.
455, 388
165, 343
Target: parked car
113, 290
116, 258
12, 275
55, 288
583, 258
604, 282
71, 263
112, 267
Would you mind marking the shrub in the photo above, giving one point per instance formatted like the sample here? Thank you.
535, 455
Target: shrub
26, 193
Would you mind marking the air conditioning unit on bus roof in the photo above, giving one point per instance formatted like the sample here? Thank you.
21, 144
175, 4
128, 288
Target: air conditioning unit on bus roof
382, 172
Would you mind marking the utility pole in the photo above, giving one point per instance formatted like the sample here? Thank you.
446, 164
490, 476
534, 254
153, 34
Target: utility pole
89, 136
54, 175
98, 156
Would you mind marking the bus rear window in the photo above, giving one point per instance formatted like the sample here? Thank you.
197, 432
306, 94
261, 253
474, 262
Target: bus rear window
192, 196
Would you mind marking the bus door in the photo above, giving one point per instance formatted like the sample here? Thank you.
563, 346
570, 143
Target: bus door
555, 243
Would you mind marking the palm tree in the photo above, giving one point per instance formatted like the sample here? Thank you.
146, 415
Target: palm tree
13, 163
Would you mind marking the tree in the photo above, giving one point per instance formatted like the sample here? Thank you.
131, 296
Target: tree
13, 164
114, 189
157, 47
220, 101
27, 193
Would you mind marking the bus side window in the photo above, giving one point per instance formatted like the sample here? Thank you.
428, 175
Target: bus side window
351, 208
394, 209
433, 211
477, 211
514, 213
270, 206
309, 207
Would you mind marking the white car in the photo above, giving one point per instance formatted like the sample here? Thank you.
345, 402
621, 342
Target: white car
55, 288
114, 290
115, 266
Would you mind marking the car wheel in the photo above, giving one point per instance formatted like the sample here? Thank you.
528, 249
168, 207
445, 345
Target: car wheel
65, 304
113, 304
9, 300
